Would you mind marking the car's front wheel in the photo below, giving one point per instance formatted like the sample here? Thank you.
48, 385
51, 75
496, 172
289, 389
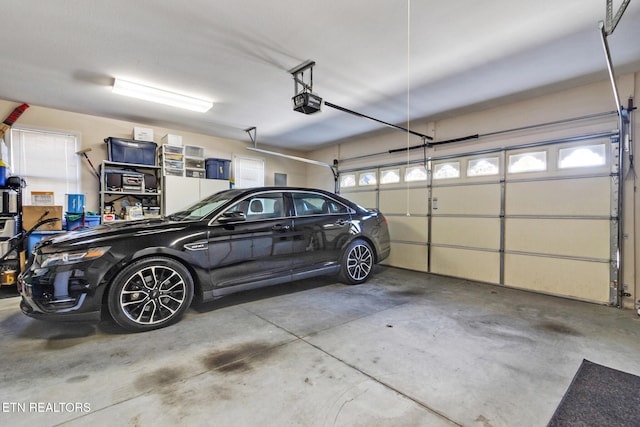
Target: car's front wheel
357, 262
150, 293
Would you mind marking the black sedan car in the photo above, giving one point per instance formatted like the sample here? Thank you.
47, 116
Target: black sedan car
146, 273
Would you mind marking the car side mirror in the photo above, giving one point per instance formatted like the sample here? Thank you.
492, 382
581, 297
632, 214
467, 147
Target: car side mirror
227, 217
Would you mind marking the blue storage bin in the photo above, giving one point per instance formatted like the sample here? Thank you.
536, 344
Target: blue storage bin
36, 236
91, 220
217, 168
131, 151
75, 203
75, 220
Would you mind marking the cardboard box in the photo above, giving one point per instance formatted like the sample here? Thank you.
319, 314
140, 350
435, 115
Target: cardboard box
175, 140
31, 215
142, 134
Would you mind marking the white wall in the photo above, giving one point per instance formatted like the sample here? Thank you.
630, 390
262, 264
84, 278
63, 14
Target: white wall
93, 130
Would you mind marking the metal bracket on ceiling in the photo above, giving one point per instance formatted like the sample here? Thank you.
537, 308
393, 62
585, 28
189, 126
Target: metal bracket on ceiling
300, 86
606, 29
612, 21
252, 136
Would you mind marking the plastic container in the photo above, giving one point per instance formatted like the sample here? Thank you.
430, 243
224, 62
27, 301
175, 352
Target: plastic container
194, 173
75, 221
3, 176
217, 168
37, 236
193, 151
130, 151
8, 227
75, 203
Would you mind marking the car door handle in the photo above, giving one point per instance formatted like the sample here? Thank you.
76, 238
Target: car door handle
341, 222
280, 227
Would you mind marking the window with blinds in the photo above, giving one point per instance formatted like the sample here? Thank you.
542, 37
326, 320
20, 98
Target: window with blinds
47, 161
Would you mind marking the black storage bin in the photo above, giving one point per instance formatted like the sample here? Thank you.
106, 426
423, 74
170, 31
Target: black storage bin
131, 151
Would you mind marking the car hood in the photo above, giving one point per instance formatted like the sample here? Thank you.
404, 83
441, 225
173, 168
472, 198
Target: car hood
106, 233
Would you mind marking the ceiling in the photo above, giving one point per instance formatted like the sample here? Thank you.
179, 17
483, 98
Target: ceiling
392, 60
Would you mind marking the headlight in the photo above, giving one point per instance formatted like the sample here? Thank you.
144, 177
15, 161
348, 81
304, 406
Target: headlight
65, 258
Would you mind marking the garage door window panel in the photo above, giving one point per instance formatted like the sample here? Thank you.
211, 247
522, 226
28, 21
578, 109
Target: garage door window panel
528, 162
347, 180
367, 178
582, 157
486, 166
415, 173
390, 176
447, 170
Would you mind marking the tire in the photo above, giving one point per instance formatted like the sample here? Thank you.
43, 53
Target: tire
357, 263
150, 293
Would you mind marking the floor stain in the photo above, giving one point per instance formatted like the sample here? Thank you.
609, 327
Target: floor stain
239, 358
558, 328
498, 328
69, 338
166, 384
61, 342
159, 378
407, 292
135, 421
119, 353
484, 420
77, 379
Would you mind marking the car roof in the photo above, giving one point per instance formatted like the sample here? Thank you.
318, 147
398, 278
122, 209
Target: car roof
279, 188
237, 193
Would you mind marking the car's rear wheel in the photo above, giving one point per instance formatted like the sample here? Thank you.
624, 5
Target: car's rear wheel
150, 293
357, 262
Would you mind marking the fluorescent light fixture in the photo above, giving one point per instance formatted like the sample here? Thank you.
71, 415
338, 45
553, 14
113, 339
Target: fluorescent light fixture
148, 93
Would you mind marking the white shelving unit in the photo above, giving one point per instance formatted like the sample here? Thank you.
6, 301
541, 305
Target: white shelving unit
171, 160
194, 166
182, 160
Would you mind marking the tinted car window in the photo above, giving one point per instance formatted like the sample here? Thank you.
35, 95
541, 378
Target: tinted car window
316, 204
260, 206
202, 208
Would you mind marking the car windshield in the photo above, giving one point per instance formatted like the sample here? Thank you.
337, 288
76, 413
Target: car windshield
203, 208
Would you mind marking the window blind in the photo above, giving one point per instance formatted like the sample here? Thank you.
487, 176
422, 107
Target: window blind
47, 161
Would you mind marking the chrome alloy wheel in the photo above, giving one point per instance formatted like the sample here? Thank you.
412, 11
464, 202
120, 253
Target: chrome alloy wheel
359, 262
153, 295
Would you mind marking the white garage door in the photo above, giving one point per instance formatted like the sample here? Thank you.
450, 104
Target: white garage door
560, 227
466, 217
541, 217
402, 194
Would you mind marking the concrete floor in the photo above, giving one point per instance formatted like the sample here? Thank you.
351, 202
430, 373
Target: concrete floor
404, 349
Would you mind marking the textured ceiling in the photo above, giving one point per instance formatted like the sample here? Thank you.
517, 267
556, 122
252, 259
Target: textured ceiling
393, 60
